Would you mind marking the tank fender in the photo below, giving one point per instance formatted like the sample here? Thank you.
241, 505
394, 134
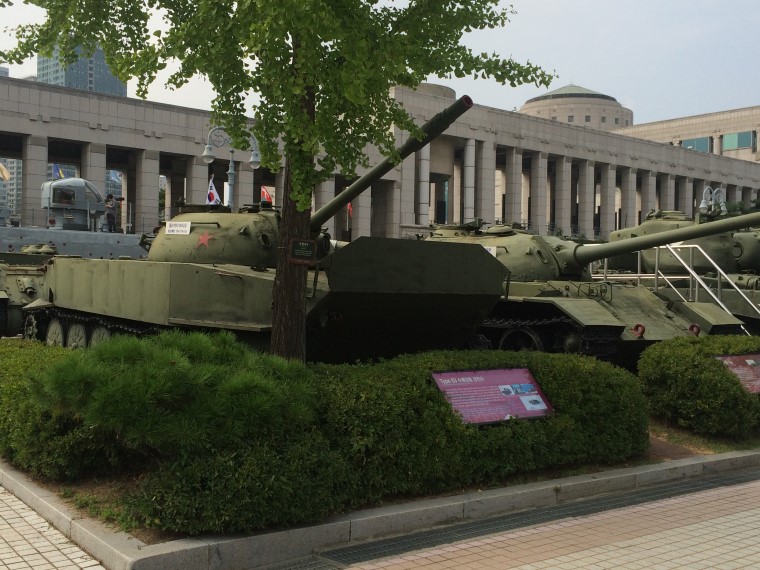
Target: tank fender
38, 304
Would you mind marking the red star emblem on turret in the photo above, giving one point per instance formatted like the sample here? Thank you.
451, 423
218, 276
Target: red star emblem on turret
203, 239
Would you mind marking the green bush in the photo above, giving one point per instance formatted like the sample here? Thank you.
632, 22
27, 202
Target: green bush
234, 441
687, 386
128, 400
403, 438
36, 438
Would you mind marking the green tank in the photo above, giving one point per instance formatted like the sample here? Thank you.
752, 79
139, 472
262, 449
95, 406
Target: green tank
726, 274
212, 270
720, 247
553, 303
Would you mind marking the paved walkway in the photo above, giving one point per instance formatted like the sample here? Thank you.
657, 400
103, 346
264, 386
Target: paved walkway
29, 541
689, 513
715, 529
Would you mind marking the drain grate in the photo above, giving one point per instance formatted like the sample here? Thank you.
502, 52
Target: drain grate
381, 548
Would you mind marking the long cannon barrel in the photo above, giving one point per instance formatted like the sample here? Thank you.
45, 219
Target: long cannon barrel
433, 128
584, 255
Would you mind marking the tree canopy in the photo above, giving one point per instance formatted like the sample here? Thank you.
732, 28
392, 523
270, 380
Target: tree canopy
346, 54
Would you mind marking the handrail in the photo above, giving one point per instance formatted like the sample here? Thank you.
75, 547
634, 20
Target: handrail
691, 274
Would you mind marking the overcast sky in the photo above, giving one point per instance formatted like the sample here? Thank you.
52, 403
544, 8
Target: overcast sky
660, 58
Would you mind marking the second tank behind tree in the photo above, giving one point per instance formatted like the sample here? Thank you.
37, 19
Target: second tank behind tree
554, 304
735, 253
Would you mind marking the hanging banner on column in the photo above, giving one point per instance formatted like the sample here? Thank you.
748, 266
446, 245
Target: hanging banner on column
487, 396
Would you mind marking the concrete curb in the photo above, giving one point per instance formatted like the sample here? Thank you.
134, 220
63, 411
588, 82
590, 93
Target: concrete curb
120, 551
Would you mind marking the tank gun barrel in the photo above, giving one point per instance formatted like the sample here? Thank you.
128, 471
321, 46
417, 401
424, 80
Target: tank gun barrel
584, 255
433, 128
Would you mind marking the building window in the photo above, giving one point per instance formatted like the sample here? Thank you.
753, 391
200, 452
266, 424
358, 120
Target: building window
587, 118
604, 119
554, 118
617, 121
701, 144
570, 119
734, 141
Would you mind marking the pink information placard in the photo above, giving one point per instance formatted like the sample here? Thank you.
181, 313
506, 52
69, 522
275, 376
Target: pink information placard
487, 396
746, 367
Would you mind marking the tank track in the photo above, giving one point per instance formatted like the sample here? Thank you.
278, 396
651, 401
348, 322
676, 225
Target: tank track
36, 322
600, 343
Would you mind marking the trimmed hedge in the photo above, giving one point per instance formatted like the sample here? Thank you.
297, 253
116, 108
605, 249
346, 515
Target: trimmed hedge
687, 386
228, 440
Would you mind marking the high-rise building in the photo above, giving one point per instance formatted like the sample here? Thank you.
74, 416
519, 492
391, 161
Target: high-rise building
88, 73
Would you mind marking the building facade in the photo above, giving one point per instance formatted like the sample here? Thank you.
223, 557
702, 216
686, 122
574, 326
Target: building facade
549, 176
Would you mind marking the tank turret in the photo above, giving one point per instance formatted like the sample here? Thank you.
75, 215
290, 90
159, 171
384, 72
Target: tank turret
719, 247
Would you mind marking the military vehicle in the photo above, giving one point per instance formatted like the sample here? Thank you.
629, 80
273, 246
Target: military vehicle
731, 251
553, 304
720, 268
74, 215
211, 270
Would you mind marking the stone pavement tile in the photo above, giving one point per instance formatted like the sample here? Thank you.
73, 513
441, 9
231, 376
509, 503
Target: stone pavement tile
27, 541
716, 528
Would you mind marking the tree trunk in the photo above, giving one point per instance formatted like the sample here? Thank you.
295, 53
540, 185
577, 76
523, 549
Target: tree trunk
289, 295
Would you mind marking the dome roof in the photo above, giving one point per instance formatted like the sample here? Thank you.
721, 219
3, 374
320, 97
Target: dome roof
571, 91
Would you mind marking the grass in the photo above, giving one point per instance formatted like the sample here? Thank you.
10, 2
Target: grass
696, 443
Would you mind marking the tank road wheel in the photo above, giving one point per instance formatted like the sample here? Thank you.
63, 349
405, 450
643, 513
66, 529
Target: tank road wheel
77, 336
55, 335
98, 335
521, 338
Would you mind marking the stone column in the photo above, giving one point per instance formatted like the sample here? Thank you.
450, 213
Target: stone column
94, 165
513, 192
586, 198
500, 183
423, 186
34, 156
685, 186
146, 192
648, 192
197, 179
244, 186
361, 216
539, 193
667, 191
323, 193
563, 192
629, 212
607, 200
485, 177
469, 181
405, 187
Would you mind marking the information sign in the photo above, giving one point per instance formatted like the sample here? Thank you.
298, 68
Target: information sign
303, 251
178, 228
746, 367
487, 396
